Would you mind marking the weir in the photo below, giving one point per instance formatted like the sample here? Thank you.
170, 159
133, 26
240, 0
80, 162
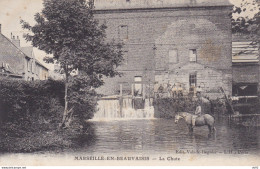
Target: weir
124, 108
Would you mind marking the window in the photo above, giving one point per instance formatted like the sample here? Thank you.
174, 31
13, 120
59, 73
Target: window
123, 32
173, 56
193, 55
193, 80
138, 85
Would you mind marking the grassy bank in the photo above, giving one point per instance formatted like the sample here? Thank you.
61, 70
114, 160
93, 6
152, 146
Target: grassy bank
44, 137
30, 114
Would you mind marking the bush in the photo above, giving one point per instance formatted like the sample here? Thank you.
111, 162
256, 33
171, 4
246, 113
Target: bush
21, 100
31, 113
168, 107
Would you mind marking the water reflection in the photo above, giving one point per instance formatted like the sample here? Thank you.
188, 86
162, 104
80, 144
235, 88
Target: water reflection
164, 136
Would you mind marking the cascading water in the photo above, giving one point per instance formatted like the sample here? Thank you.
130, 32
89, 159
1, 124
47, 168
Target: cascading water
122, 109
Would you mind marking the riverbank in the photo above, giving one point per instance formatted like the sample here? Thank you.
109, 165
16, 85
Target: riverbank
30, 114
43, 138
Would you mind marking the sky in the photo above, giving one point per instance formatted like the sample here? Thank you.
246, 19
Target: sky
11, 11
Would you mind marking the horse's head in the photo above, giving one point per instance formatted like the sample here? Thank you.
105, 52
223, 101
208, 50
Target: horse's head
177, 118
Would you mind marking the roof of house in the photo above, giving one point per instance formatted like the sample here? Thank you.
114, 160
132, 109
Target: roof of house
11, 56
39, 63
135, 4
29, 52
244, 50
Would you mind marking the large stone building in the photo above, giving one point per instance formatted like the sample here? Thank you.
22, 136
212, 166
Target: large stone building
183, 43
19, 62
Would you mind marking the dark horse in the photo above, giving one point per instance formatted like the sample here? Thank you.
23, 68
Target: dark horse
202, 120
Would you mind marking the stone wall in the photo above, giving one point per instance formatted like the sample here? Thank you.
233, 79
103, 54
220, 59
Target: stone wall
151, 33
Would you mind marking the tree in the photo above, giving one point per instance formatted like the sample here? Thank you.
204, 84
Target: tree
68, 30
244, 24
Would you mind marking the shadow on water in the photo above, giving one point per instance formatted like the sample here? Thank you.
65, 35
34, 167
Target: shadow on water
86, 137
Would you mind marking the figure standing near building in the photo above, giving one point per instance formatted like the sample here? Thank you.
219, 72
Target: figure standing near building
198, 91
174, 90
155, 89
197, 113
180, 91
160, 90
168, 89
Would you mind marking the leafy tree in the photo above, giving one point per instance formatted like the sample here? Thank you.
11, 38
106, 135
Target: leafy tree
68, 30
245, 25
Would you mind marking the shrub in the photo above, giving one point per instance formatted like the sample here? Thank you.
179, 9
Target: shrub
21, 100
168, 107
31, 113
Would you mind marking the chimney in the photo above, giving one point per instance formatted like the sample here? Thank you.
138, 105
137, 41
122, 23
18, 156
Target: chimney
16, 42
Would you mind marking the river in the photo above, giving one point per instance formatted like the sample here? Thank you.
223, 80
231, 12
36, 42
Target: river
153, 142
163, 136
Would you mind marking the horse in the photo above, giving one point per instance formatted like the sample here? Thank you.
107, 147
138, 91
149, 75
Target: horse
202, 120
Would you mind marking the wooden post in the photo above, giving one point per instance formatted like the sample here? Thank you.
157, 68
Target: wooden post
132, 90
149, 90
121, 89
143, 86
132, 95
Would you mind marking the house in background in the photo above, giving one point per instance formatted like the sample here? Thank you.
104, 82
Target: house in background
19, 62
56, 73
37, 71
184, 43
12, 59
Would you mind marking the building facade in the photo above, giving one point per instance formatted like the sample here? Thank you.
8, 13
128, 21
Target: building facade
173, 44
19, 62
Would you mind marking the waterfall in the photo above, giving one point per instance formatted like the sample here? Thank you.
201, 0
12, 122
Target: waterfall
113, 109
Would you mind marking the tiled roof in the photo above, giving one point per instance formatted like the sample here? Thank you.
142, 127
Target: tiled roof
11, 55
135, 4
29, 52
39, 63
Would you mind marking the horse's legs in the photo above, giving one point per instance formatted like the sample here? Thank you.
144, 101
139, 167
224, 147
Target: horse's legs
210, 130
191, 128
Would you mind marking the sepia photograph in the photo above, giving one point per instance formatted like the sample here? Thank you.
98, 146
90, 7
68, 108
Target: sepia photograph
129, 83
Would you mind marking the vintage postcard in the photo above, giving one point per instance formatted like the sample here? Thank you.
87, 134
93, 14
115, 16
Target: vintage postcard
129, 82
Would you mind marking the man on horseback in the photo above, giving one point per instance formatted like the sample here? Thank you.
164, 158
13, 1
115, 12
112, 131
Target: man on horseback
196, 114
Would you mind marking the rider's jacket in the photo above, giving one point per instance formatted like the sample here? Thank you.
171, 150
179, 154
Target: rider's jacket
198, 110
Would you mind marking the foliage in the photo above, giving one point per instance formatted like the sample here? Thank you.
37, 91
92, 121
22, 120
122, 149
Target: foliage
20, 99
31, 113
168, 107
245, 25
67, 30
